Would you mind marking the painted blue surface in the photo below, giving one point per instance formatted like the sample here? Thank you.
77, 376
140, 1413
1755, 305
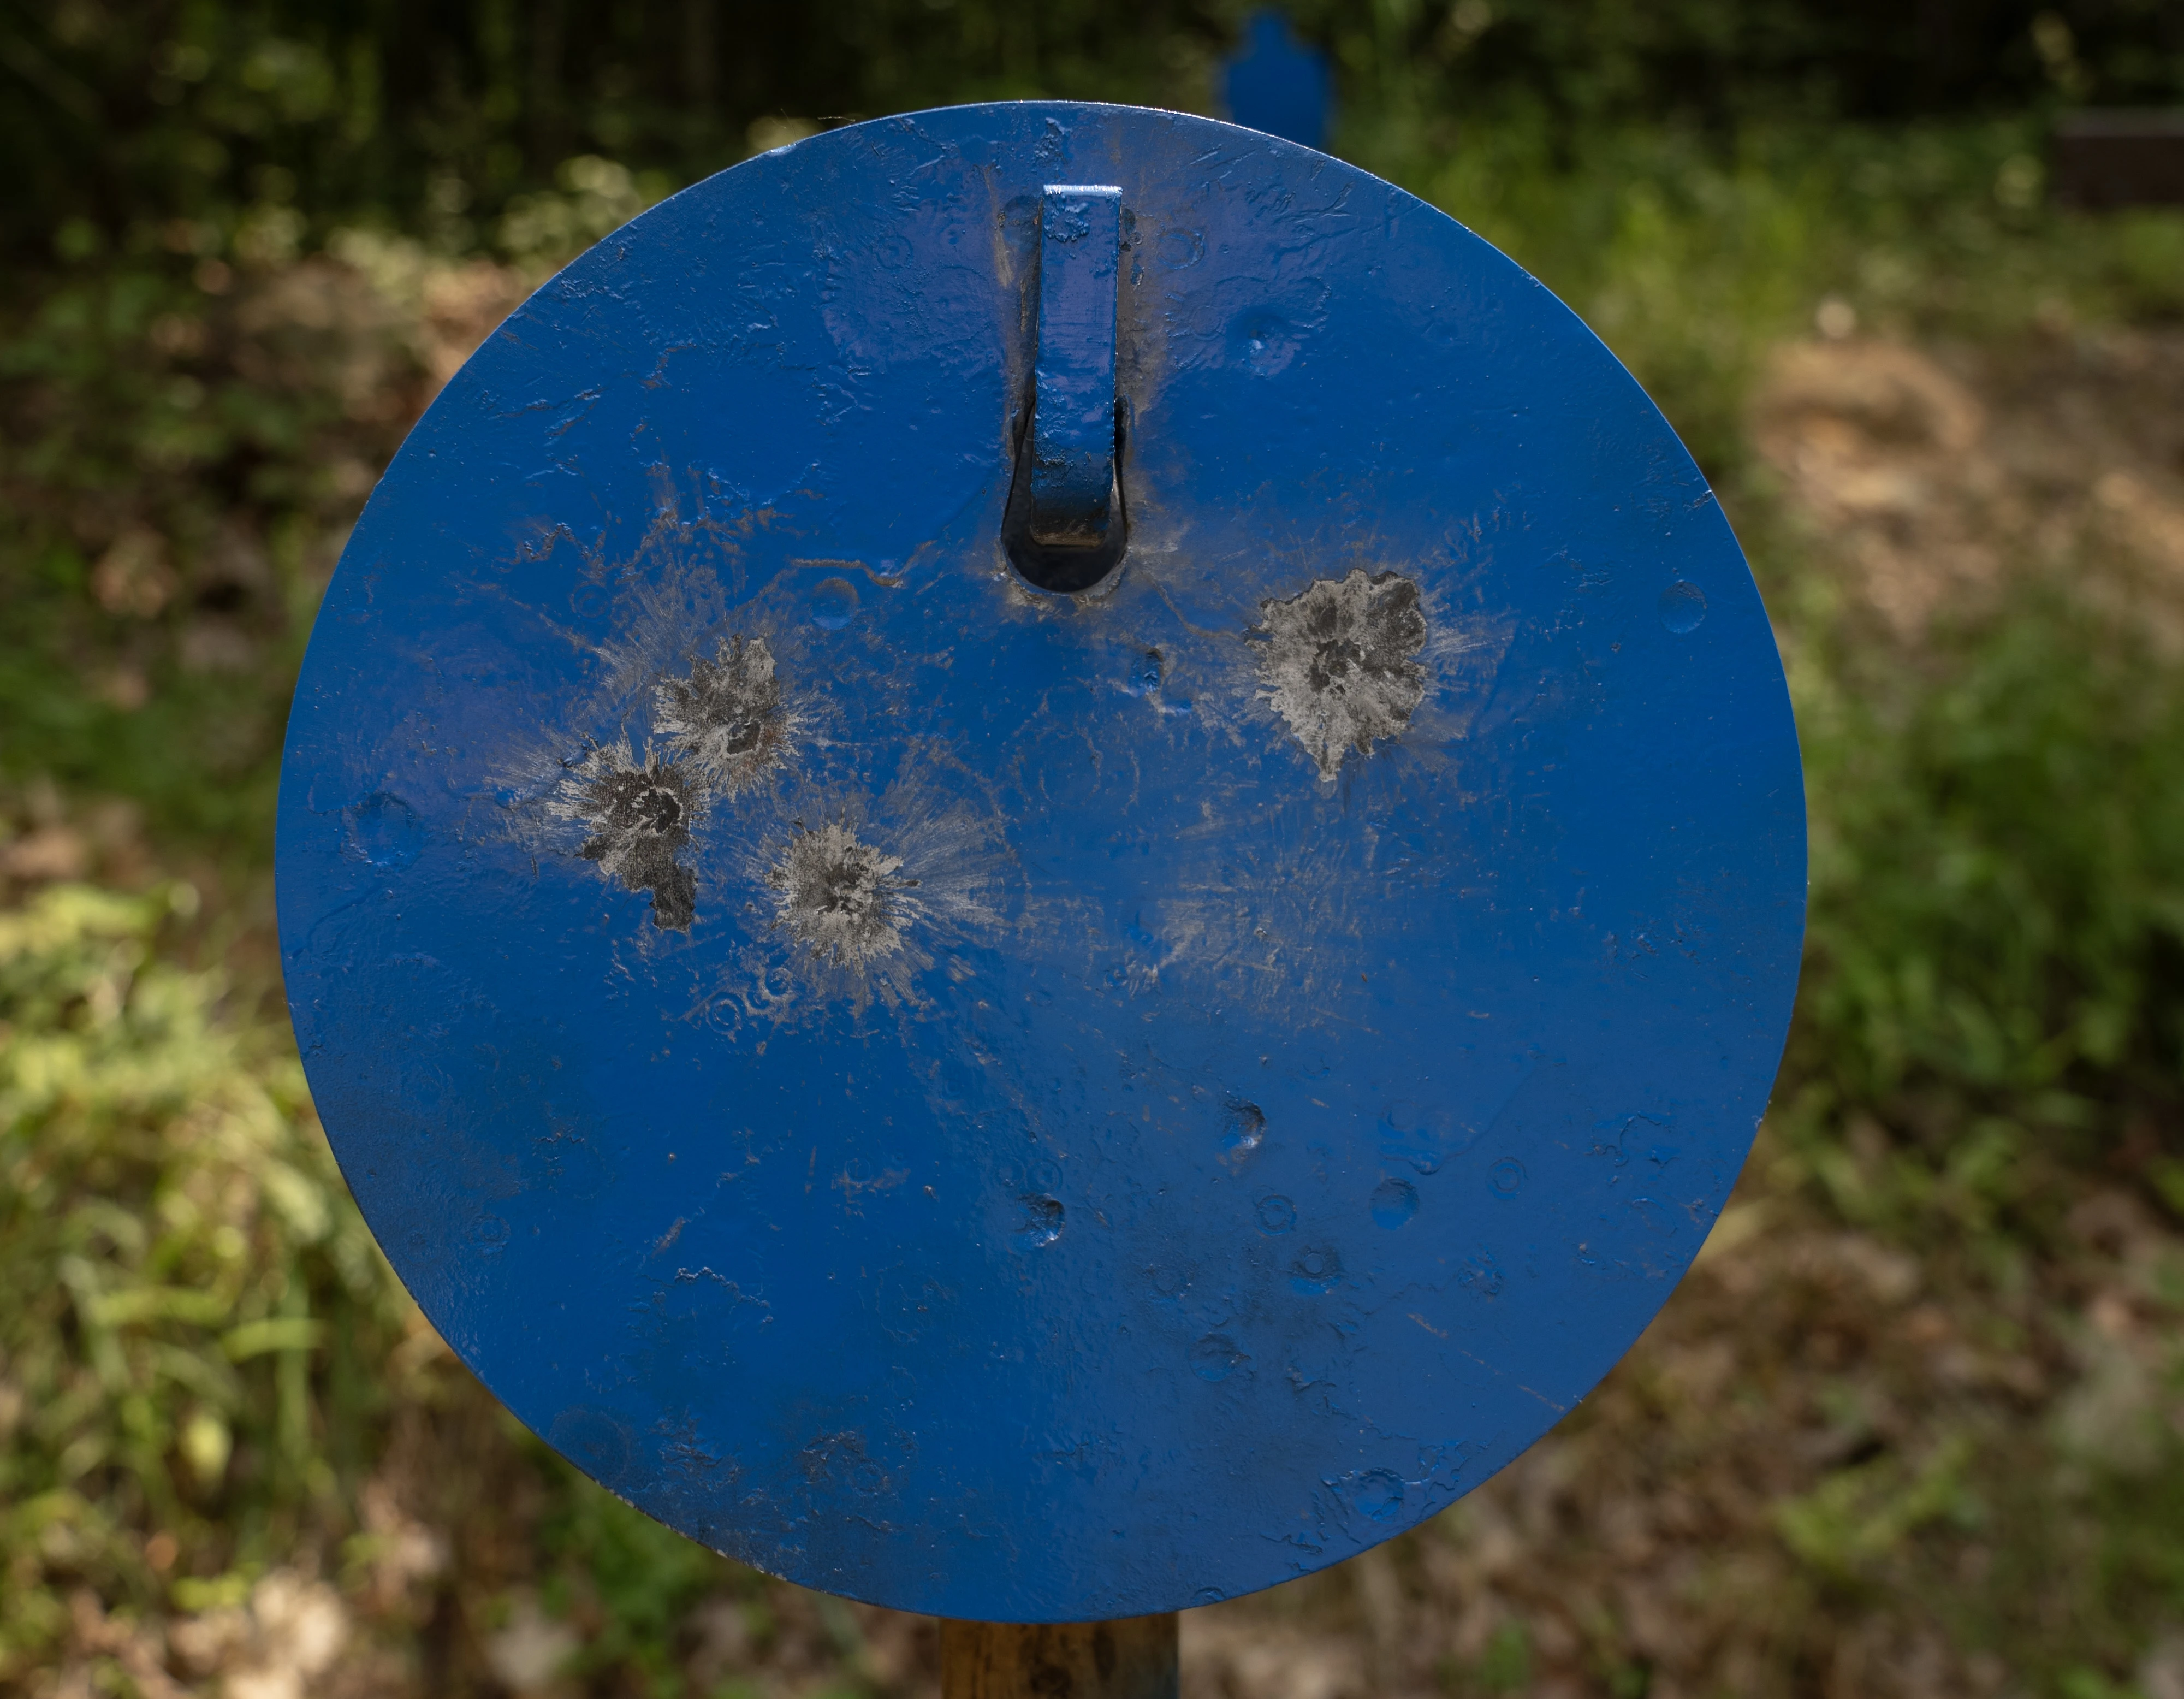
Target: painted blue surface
1073, 380
1018, 1105
1275, 83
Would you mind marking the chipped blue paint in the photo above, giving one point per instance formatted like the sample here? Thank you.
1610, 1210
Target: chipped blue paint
1027, 1105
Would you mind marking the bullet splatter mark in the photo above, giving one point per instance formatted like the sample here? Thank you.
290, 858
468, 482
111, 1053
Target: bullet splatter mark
839, 897
726, 718
640, 814
1340, 662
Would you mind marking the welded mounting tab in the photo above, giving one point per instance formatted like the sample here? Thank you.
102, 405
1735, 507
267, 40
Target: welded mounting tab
1073, 459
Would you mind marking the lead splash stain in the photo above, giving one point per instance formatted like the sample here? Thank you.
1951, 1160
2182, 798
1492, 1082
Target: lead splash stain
728, 717
840, 897
1340, 662
640, 814
718, 731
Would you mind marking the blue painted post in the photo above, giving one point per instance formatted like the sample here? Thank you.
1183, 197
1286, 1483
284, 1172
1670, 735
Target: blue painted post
1027, 1068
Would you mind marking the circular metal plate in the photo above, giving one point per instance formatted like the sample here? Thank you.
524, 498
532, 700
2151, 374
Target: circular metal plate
1016, 1105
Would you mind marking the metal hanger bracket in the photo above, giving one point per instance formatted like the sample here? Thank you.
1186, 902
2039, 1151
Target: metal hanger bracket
1073, 459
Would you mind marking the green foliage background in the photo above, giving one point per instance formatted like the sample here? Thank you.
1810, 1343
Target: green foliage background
436, 115
201, 1343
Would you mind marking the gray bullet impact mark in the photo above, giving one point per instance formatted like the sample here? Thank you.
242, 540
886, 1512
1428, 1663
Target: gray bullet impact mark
839, 897
640, 814
1338, 663
726, 718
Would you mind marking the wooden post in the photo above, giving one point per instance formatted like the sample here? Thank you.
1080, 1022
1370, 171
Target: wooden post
1130, 1657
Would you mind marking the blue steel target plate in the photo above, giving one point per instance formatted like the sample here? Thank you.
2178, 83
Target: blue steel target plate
1024, 1106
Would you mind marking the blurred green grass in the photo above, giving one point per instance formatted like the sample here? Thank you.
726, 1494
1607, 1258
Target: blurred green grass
208, 1372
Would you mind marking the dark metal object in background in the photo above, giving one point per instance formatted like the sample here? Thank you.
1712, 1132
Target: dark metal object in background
2120, 158
1277, 84
1015, 1105
1131, 1658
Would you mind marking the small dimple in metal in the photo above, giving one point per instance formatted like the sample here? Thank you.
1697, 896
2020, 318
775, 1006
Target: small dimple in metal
384, 831
1340, 662
1043, 1219
1242, 1132
1318, 1270
1215, 1357
1394, 1202
640, 813
1683, 608
838, 897
1378, 1493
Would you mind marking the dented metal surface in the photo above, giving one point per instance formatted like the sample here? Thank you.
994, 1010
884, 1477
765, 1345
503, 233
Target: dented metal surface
1019, 1104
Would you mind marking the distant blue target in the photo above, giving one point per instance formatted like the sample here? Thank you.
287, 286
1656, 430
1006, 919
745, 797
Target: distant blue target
1276, 83
1028, 1102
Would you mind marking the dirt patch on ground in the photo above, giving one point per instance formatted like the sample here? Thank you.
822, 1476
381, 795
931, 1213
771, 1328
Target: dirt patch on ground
1928, 480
